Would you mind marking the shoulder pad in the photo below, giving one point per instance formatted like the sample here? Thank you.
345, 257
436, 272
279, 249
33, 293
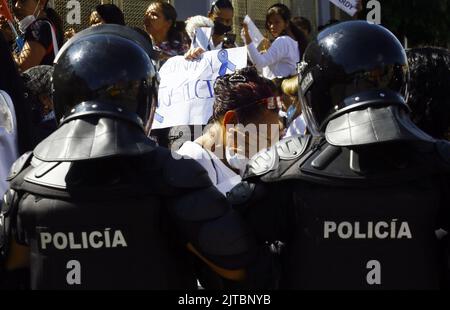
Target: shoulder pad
443, 148
20, 165
201, 205
241, 193
50, 174
262, 163
287, 149
186, 173
292, 147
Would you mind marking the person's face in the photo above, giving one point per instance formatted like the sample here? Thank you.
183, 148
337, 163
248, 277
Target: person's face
276, 25
96, 19
24, 8
153, 105
155, 22
224, 16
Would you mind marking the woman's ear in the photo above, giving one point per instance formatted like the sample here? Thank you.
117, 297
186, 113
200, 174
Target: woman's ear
230, 118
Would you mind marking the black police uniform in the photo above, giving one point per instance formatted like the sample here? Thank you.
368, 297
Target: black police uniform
356, 205
98, 204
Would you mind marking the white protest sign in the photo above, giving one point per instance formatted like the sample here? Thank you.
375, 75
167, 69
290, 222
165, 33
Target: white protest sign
348, 6
253, 31
201, 39
186, 91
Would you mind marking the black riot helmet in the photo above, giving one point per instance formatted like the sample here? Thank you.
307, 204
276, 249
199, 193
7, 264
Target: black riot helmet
352, 84
105, 71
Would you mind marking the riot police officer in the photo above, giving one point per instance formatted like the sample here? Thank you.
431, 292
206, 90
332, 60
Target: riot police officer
360, 202
98, 205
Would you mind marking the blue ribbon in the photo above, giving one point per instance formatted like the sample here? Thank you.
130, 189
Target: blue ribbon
226, 64
20, 43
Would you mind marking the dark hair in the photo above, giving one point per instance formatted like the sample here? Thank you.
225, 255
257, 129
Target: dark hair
429, 84
220, 5
302, 23
144, 34
111, 14
238, 90
12, 84
283, 11
57, 22
181, 27
176, 28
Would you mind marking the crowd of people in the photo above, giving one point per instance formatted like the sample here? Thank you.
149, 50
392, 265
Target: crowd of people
324, 165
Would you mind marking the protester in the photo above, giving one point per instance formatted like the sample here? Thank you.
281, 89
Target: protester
243, 99
42, 33
281, 58
161, 24
220, 19
428, 89
304, 25
357, 203
168, 39
106, 14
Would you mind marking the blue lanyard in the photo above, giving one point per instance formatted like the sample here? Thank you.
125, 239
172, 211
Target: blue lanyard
20, 43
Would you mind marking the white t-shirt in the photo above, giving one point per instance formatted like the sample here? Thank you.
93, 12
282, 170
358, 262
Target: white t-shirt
280, 60
9, 150
221, 176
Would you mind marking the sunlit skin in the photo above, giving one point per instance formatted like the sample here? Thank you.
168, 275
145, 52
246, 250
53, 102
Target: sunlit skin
33, 52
